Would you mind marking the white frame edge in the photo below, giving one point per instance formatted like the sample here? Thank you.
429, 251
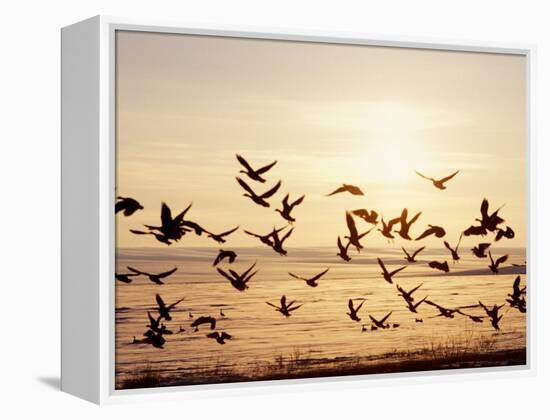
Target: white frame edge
95, 381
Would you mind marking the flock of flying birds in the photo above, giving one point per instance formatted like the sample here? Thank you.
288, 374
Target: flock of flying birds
172, 229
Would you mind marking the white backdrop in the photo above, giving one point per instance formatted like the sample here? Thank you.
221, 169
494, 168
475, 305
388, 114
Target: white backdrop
29, 134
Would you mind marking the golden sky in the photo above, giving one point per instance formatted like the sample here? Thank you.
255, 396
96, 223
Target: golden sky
330, 114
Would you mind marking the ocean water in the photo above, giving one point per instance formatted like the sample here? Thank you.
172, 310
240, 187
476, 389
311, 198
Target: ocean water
320, 329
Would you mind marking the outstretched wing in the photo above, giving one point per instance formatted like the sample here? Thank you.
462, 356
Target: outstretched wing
272, 305
165, 215
225, 336
338, 190
136, 271
397, 271
318, 276
425, 234
484, 209
415, 218
502, 259
424, 176
175, 303
159, 300
415, 289
265, 168
442, 180
245, 186
351, 225
298, 201
243, 162
418, 251
406, 253
229, 232
272, 191
386, 317
296, 277
223, 273
381, 264
167, 273
448, 246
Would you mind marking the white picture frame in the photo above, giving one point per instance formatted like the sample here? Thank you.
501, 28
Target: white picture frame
88, 168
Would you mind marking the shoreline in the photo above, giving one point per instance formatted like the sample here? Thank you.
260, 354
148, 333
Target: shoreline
425, 360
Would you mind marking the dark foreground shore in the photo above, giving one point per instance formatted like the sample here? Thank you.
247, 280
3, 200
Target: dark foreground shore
299, 367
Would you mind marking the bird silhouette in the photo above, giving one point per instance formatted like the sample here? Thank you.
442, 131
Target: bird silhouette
258, 199
369, 217
127, 205
438, 231
352, 189
163, 309
479, 250
364, 328
265, 239
516, 298
125, 278
230, 255
388, 274
493, 314
380, 323
354, 310
254, 174
411, 257
454, 251
155, 339
278, 242
171, 229
222, 313
287, 208
442, 266
219, 337
155, 278
387, 227
156, 326
475, 318
438, 183
418, 320
343, 250
239, 281
312, 281
495, 263
508, 233
159, 236
408, 295
445, 312
413, 306
475, 231
204, 320
220, 237
404, 225
354, 237
285, 308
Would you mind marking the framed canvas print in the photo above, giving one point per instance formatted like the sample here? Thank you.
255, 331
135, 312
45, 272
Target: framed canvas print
245, 207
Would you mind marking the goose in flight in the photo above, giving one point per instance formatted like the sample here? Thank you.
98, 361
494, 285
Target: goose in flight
127, 205
287, 208
354, 310
152, 338
230, 255
352, 189
479, 250
454, 251
445, 312
171, 229
125, 278
412, 257
285, 308
413, 306
343, 250
493, 314
265, 239
155, 278
380, 323
369, 217
204, 320
239, 281
312, 281
156, 326
220, 237
405, 226
516, 298
258, 199
354, 237
438, 231
388, 274
163, 309
438, 183
508, 233
219, 337
517, 291
489, 222
408, 295
495, 263
387, 227
442, 266
254, 174
278, 242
